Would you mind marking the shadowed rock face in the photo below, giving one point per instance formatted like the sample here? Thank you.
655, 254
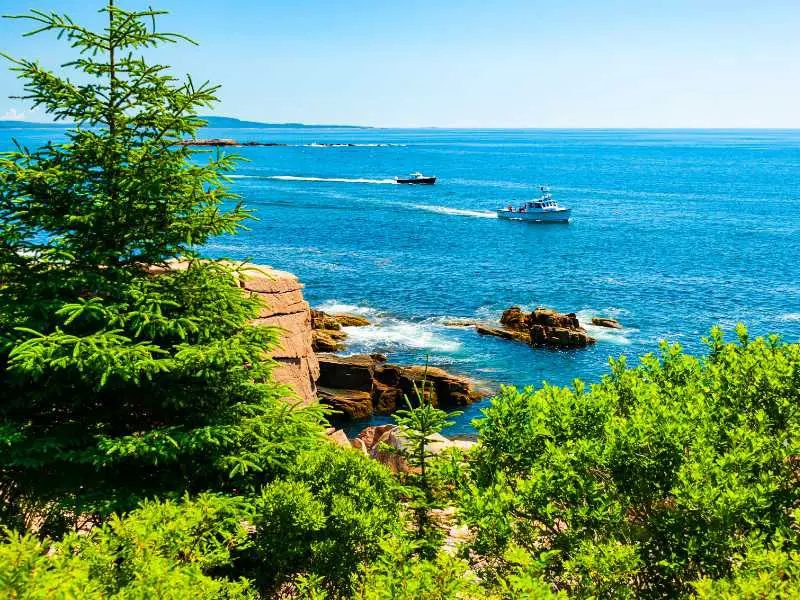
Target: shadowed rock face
358, 384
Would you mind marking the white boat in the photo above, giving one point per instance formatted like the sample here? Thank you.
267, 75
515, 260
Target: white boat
542, 210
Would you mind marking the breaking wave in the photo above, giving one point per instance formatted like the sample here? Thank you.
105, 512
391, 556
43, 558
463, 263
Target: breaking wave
390, 334
605, 334
332, 306
790, 317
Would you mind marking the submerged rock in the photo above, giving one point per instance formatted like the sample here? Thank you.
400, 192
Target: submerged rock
461, 323
606, 322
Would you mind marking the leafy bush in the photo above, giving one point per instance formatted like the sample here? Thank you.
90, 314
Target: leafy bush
165, 550
328, 516
651, 480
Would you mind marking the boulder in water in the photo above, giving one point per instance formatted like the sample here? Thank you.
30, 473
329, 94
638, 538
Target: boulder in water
348, 320
606, 322
542, 327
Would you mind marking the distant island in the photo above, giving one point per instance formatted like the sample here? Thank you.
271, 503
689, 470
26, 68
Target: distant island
17, 124
216, 122
231, 123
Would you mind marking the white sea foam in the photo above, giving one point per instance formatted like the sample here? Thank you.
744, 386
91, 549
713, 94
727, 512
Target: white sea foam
460, 212
392, 334
605, 334
332, 306
387, 333
790, 317
332, 179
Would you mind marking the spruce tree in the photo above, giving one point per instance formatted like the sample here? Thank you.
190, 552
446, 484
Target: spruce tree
116, 383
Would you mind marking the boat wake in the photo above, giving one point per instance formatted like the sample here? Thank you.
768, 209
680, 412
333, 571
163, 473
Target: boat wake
331, 179
459, 212
318, 145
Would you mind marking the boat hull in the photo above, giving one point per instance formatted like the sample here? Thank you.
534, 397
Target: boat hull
545, 216
419, 181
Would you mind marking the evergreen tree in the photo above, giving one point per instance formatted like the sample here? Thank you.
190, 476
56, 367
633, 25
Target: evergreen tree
418, 425
118, 384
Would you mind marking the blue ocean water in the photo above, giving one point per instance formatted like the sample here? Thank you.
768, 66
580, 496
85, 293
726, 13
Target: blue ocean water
673, 232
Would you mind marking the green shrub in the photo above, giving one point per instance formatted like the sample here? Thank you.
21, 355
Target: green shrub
326, 518
165, 550
649, 481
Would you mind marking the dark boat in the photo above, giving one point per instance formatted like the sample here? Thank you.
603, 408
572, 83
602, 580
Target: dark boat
416, 178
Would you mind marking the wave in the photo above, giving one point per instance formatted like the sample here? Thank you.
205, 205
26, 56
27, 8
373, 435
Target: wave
390, 334
605, 334
790, 317
332, 306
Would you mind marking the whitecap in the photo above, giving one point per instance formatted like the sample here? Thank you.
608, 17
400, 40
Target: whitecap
790, 317
392, 335
335, 307
605, 334
389, 334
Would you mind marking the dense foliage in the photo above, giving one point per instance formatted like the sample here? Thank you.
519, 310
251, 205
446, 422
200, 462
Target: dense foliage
128, 379
655, 481
146, 452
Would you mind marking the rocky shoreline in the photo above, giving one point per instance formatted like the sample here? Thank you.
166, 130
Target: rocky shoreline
359, 386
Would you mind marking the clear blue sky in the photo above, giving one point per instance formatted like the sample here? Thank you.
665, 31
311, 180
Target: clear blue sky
470, 63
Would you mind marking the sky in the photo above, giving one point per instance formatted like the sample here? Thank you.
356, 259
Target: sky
470, 63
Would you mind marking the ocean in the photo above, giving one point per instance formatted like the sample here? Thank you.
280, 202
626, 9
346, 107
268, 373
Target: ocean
673, 231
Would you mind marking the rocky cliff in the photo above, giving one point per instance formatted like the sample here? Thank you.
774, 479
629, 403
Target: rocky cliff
285, 307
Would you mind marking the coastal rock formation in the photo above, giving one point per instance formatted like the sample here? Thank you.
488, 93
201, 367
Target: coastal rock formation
542, 327
385, 443
327, 340
506, 334
606, 322
551, 328
283, 306
361, 385
348, 320
327, 334
219, 142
